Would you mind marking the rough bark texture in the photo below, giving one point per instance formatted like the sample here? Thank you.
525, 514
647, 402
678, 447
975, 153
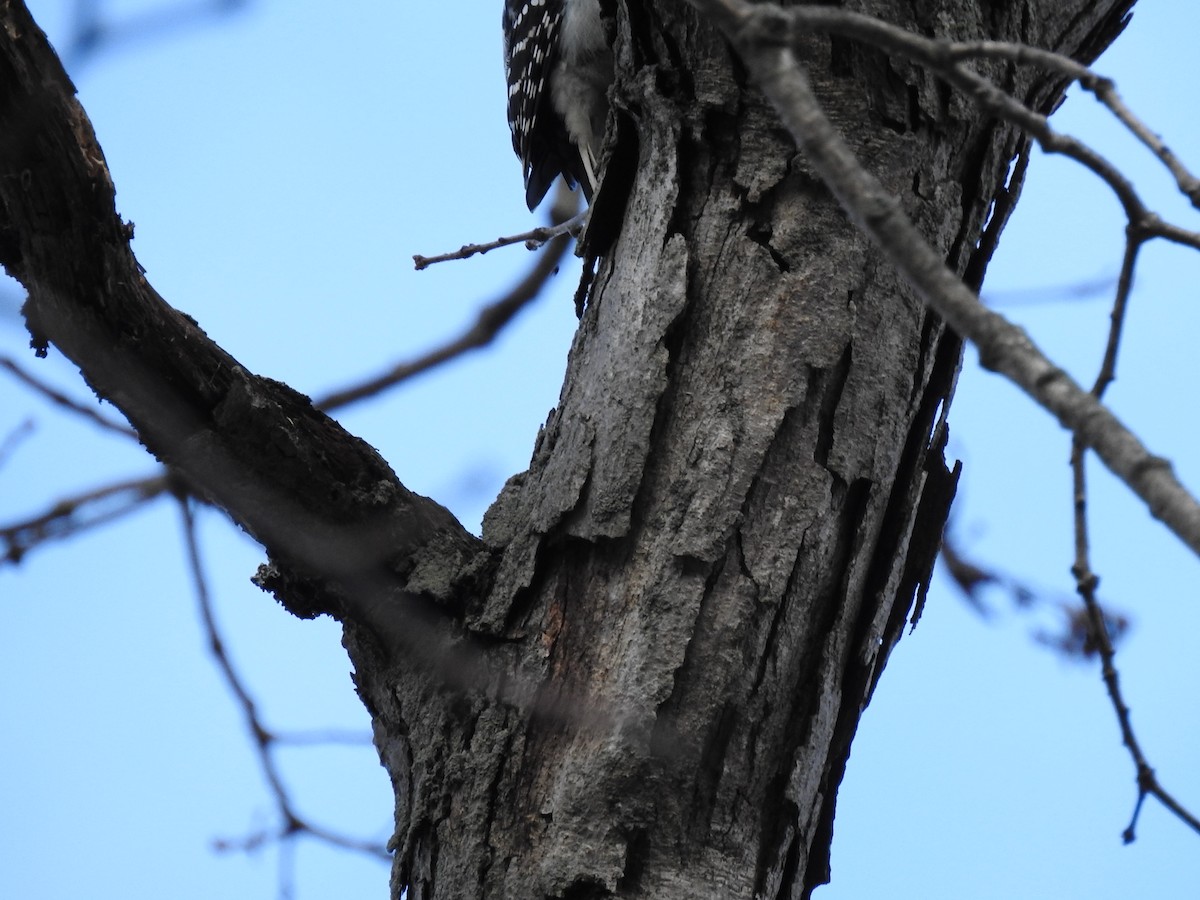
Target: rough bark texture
728, 517
645, 680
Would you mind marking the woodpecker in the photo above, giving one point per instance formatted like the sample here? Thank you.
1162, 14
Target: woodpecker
559, 65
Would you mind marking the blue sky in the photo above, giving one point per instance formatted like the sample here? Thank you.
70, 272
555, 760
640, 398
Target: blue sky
282, 164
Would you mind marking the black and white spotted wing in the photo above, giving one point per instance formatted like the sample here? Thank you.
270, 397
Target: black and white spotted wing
531, 29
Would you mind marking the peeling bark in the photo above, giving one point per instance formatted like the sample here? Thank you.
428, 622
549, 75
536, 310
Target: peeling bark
730, 514
644, 681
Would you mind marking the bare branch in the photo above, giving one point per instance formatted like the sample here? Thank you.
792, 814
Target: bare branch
327, 736
1073, 639
489, 323
74, 515
63, 400
13, 439
93, 33
1086, 581
1188, 184
263, 738
532, 239
1104, 89
290, 476
943, 57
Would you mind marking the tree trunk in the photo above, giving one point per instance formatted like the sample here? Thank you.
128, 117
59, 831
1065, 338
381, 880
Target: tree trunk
728, 517
645, 681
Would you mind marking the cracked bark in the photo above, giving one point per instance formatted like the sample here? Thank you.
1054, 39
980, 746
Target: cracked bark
644, 681
738, 499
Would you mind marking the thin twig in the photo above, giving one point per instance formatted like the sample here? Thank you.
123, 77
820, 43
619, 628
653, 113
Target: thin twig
1073, 640
1108, 366
1188, 184
216, 646
73, 515
1086, 583
532, 239
62, 399
1086, 580
1104, 89
490, 321
943, 57
1082, 290
324, 737
292, 825
93, 33
14, 438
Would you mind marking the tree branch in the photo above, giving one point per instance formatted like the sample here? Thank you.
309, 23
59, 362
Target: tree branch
1086, 580
293, 825
72, 515
489, 323
60, 399
943, 57
322, 502
563, 224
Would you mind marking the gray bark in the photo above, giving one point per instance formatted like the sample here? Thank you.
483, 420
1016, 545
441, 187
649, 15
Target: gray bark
644, 681
739, 497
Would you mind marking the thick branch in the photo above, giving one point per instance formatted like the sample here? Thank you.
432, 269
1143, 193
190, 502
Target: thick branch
323, 502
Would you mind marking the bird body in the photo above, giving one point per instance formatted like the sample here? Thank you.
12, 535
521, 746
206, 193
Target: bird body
559, 66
